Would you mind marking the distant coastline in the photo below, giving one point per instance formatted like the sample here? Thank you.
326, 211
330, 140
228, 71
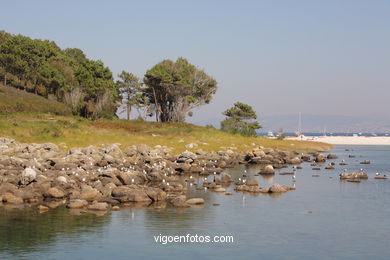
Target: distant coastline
347, 140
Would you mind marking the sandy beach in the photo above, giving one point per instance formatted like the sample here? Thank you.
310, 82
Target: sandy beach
347, 140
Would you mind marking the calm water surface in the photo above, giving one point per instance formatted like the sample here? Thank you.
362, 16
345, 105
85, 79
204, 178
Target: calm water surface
348, 221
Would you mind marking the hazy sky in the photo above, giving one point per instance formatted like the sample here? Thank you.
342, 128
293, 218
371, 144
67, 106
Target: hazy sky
281, 57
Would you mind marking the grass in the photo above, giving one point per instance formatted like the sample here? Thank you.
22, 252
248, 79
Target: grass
14, 100
30, 118
71, 132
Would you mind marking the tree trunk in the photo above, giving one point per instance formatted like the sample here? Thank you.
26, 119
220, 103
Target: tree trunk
128, 111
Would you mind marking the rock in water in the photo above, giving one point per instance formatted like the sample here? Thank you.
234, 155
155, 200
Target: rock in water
331, 156
269, 169
226, 178
195, 201
180, 202
102, 206
320, 158
277, 188
77, 204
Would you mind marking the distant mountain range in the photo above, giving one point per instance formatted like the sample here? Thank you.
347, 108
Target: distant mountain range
326, 123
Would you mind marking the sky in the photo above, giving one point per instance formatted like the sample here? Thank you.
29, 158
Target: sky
281, 57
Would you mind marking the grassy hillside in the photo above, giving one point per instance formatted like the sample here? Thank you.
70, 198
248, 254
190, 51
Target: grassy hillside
15, 100
75, 132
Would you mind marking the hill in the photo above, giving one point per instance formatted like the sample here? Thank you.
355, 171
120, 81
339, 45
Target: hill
14, 100
68, 132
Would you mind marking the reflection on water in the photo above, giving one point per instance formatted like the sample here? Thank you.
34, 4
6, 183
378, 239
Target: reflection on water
24, 229
324, 218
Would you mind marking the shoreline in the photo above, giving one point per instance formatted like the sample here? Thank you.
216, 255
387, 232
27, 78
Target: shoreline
346, 140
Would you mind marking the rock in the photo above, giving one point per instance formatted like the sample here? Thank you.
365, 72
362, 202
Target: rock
269, 169
127, 194
12, 199
28, 175
252, 183
191, 145
320, 158
55, 193
219, 189
102, 206
365, 162
329, 167
228, 193
42, 208
156, 194
180, 202
277, 188
77, 204
88, 193
188, 155
226, 178
331, 156
115, 208
295, 160
195, 201
62, 179
353, 175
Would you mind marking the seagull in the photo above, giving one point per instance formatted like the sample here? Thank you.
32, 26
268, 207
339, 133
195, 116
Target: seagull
377, 174
163, 180
132, 180
167, 183
190, 176
245, 171
243, 181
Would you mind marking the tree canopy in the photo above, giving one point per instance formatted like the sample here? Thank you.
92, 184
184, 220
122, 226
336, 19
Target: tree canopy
175, 88
241, 119
41, 67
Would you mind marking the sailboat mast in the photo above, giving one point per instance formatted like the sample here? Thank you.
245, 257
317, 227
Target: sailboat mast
300, 124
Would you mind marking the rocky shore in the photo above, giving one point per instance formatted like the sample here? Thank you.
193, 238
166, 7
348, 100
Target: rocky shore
108, 177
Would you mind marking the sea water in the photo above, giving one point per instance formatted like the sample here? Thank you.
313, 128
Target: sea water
324, 218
